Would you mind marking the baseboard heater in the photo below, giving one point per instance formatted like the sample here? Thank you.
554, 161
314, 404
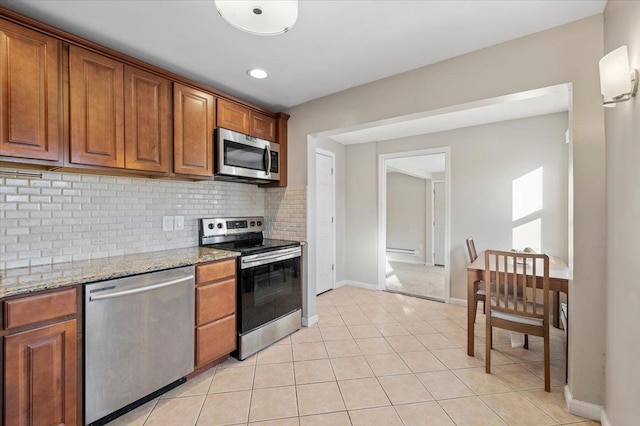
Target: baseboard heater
408, 252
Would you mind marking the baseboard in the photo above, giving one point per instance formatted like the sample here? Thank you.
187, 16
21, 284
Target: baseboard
308, 322
458, 302
604, 419
356, 284
581, 408
410, 261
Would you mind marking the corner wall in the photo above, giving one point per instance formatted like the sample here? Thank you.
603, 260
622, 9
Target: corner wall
622, 123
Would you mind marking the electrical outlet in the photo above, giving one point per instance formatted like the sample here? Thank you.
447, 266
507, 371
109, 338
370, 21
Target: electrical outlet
167, 223
179, 223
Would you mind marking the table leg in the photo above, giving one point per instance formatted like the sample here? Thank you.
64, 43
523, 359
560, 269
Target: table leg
556, 309
471, 306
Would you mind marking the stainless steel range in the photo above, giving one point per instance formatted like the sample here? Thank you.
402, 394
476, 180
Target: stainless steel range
269, 299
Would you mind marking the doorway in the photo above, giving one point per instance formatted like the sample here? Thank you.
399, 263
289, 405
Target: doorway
439, 204
414, 223
325, 221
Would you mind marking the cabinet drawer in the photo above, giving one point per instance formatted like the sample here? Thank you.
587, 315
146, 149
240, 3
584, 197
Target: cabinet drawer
43, 307
215, 340
215, 271
215, 301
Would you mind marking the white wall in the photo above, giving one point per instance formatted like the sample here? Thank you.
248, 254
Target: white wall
566, 54
361, 187
622, 27
406, 214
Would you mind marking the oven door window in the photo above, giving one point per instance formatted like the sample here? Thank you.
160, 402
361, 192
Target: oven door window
244, 156
268, 292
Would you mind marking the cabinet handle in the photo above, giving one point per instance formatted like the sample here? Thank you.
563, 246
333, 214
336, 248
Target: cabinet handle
139, 289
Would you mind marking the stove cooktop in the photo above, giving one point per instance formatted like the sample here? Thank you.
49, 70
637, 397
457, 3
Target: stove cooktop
248, 247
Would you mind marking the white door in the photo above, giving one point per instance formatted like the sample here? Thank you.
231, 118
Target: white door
325, 247
438, 222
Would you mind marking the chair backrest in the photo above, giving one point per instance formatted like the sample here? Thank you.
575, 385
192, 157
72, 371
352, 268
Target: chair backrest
513, 280
471, 248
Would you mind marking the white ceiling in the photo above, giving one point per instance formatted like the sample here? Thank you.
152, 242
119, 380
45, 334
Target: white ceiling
334, 45
419, 166
531, 103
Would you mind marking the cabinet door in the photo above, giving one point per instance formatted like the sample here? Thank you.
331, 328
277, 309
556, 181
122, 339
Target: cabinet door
30, 97
194, 117
215, 339
146, 117
40, 376
96, 109
233, 116
263, 127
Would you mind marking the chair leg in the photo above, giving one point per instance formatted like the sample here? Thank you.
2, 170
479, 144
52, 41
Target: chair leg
489, 346
526, 341
484, 307
547, 363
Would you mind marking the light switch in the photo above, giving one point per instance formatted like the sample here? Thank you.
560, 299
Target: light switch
179, 223
167, 223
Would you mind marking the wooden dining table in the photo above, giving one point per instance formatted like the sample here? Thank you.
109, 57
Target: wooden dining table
558, 283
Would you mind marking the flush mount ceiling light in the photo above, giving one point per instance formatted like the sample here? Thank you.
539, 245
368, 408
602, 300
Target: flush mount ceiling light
260, 17
618, 82
257, 73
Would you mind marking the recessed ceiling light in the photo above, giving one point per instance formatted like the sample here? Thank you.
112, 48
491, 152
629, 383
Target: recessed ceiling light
257, 73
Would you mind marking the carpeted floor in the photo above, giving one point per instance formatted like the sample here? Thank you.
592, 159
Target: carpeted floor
418, 280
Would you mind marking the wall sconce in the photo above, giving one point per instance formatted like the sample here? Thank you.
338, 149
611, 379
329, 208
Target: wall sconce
618, 82
260, 17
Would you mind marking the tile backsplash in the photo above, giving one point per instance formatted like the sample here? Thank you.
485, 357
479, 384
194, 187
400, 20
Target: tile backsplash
69, 216
285, 210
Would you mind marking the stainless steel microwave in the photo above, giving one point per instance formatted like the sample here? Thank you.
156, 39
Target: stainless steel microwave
243, 158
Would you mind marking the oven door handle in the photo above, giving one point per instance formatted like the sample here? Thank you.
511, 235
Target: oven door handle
261, 259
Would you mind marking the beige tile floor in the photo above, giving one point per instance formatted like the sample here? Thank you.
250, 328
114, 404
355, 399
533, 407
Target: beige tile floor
375, 358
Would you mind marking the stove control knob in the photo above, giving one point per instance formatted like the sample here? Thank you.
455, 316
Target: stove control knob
210, 226
259, 223
252, 223
219, 226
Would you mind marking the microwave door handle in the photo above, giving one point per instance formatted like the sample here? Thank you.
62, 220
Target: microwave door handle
267, 169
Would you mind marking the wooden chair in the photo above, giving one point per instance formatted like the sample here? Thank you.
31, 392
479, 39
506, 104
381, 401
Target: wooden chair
478, 285
516, 274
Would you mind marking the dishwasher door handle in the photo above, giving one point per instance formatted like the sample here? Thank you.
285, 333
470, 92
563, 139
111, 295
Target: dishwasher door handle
139, 289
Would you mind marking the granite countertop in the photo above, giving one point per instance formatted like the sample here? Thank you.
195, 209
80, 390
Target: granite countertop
34, 278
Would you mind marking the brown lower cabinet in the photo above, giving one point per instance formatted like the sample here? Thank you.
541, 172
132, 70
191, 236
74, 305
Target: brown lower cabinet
215, 311
40, 360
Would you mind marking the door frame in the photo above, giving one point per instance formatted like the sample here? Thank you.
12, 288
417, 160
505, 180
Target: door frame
382, 212
332, 155
433, 218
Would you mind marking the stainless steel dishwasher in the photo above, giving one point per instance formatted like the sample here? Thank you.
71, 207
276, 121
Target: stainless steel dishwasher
139, 339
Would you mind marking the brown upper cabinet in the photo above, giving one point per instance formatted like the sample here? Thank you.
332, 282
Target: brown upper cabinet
30, 95
71, 103
233, 116
241, 119
194, 118
119, 114
146, 121
96, 91
262, 127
